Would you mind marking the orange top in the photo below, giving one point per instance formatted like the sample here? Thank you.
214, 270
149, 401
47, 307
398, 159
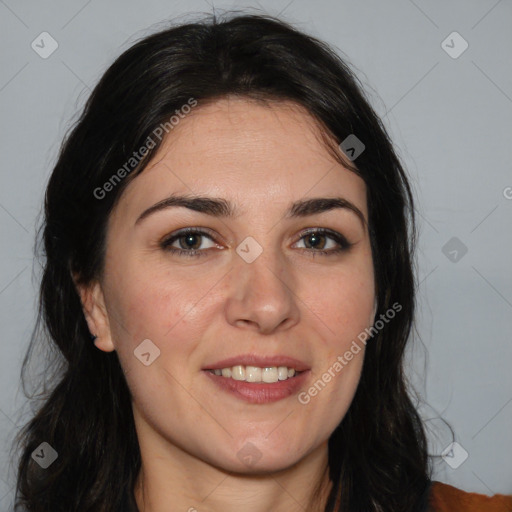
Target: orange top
445, 498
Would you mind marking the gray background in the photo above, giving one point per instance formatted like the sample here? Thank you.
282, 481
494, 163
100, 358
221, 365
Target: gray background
450, 119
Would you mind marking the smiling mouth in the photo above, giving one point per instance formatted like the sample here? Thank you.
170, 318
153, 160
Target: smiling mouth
258, 391
256, 374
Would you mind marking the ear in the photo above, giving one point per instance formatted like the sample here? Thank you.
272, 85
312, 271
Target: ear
95, 312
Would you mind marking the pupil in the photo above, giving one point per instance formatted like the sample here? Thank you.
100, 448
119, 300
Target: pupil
315, 238
190, 238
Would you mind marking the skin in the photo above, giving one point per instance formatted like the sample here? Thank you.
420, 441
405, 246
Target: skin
199, 310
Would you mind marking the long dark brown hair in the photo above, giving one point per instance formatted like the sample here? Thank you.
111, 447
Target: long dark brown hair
378, 460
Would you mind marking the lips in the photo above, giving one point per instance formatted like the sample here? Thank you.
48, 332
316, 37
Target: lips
259, 361
258, 392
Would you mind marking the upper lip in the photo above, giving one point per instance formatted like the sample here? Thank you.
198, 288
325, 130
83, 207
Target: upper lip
260, 361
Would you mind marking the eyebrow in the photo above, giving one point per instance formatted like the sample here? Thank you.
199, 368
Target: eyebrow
218, 207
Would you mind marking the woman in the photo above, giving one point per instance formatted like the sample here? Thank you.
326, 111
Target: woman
229, 222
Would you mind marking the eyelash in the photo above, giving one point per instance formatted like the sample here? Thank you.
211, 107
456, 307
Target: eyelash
337, 237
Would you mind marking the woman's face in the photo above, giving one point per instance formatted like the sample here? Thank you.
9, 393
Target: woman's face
258, 291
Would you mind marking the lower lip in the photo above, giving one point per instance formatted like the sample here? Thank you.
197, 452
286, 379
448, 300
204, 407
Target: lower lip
260, 392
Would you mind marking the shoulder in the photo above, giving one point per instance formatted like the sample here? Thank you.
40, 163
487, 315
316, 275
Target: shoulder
446, 498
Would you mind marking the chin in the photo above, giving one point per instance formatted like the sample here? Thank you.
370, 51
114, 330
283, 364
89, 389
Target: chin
262, 467
249, 460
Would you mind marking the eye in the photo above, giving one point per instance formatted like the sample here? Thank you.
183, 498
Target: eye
189, 242
316, 239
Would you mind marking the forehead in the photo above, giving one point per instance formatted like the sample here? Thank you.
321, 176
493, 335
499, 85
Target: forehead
251, 152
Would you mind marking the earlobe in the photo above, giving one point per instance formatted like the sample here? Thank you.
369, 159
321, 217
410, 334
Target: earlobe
104, 344
96, 316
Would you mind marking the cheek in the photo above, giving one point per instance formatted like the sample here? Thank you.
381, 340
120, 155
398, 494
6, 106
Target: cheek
344, 303
343, 312
171, 312
169, 316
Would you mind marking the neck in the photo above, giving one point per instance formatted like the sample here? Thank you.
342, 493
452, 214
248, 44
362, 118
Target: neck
173, 480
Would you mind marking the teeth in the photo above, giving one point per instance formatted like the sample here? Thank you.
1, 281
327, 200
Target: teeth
256, 374
282, 373
270, 374
253, 374
238, 373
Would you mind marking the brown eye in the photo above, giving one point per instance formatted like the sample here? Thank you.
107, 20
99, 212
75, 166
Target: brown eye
190, 242
317, 241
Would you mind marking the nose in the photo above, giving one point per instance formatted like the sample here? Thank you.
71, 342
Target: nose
261, 294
